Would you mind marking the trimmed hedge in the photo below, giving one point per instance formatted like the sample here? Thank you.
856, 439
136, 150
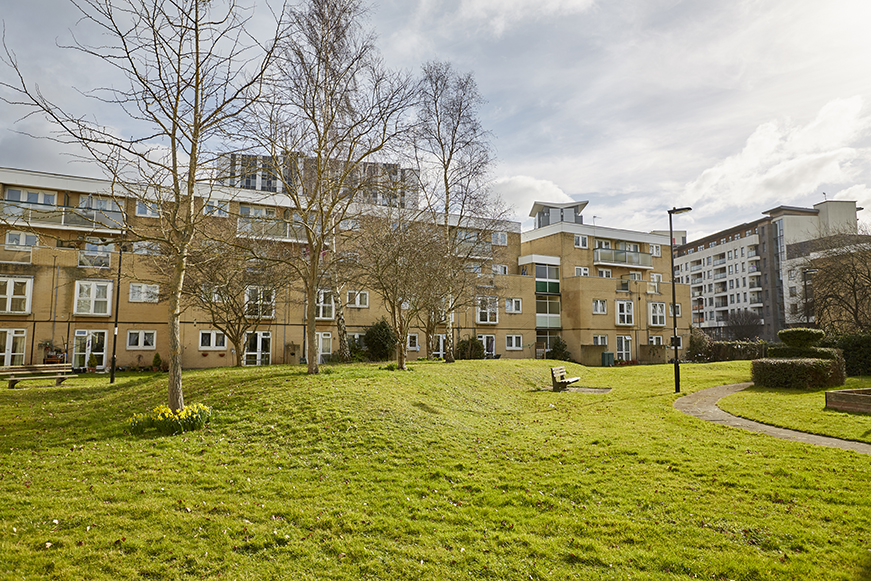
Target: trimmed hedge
856, 348
785, 351
737, 350
798, 373
800, 337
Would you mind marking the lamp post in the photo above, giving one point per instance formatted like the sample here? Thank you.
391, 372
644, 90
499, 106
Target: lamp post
804, 273
671, 213
117, 300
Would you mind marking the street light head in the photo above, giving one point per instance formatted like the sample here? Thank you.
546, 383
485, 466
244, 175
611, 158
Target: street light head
809, 270
679, 210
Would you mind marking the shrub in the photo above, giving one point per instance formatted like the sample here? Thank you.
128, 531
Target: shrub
560, 351
856, 348
469, 348
737, 350
156, 362
380, 341
785, 352
167, 422
700, 346
798, 373
92, 361
800, 337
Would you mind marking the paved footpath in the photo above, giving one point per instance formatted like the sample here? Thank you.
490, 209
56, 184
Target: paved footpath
703, 404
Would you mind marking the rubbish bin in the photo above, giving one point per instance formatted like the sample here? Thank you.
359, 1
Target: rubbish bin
607, 359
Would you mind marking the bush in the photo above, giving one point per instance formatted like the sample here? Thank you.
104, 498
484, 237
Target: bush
856, 348
469, 348
798, 373
700, 346
800, 337
786, 352
167, 422
560, 351
156, 362
737, 350
380, 341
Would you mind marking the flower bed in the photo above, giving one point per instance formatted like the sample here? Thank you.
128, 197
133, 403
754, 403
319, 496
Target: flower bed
849, 400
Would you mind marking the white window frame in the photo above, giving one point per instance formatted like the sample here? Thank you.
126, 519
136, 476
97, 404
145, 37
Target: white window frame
22, 242
146, 247
143, 293
148, 209
600, 307
357, 299
657, 314
603, 243
671, 310
604, 273
600, 340
324, 311
216, 208
9, 355
258, 302
582, 271
679, 342
412, 344
500, 238
500, 269
7, 294
514, 342
626, 341
655, 340
513, 305
582, 241
489, 314
213, 335
488, 340
624, 313
96, 254
92, 298
656, 250
140, 336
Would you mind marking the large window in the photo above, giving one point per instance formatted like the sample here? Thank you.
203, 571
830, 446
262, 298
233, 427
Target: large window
12, 344
624, 348
141, 339
324, 305
143, 293
600, 307
657, 314
625, 313
93, 297
95, 253
15, 295
259, 302
488, 310
500, 239
547, 312
212, 340
546, 278
358, 299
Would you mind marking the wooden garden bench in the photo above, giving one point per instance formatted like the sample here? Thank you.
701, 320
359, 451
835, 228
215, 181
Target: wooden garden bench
560, 381
60, 372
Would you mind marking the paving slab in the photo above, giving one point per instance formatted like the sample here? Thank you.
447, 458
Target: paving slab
703, 405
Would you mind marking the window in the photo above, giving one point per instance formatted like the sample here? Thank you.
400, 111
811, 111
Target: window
141, 339
547, 312
143, 293
150, 209
582, 271
488, 310
624, 348
12, 346
146, 247
604, 273
657, 314
677, 342
500, 239
92, 297
324, 305
603, 244
95, 253
655, 340
600, 307
656, 250
468, 236
635, 275
212, 340
15, 295
514, 342
793, 292
600, 339
546, 278
216, 209
413, 344
357, 339
581, 241
358, 299
500, 269
513, 305
625, 314
674, 310
20, 240
259, 302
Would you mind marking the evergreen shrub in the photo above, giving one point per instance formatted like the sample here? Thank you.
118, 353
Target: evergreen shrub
469, 348
856, 348
798, 373
380, 341
800, 337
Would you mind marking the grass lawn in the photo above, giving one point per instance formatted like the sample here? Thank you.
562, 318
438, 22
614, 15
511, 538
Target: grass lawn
463, 471
803, 410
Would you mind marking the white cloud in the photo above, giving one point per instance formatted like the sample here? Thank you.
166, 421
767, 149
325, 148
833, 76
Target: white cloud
520, 192
502, 14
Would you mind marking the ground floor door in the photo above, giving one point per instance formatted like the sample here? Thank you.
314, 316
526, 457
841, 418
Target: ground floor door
489, 342
624, 348
12, 344
439, 346
87, 343
258, 348
325, 346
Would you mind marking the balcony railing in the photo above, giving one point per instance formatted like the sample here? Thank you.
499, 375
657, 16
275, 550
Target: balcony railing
18, 254
720, 275
547, 321
697, 280
719, 261
696, 268
36, 214
623, 258
269, 228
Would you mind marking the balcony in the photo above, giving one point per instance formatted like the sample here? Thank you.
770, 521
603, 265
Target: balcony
719, 261
696, 268
697, 294
752, 254
697, 280
753, 268
269, 228
15, 254
720, 276
543, 321
64, 216
613, 257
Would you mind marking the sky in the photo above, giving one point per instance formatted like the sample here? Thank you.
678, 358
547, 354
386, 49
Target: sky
637, 106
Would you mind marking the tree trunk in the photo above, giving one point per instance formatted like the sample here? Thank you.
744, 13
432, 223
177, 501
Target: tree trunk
239, 346
449, 339
311, 336
175, 395
344, 353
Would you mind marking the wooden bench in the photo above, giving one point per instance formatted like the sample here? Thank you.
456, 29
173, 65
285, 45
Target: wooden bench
14, 374
560, 381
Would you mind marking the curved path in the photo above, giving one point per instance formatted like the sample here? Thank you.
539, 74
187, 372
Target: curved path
703, 404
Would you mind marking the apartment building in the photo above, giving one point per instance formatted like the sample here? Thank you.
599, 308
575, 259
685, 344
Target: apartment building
743, 269
68, 279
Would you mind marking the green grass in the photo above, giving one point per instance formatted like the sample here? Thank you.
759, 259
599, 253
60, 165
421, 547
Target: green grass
803, 410
443, 472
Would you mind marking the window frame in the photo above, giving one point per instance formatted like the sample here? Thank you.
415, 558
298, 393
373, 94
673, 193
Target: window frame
582, 271
500, 269
144, 209
624, 313
672, 312
412, 345
582, 241
656, 314
259, 304
600, 307
148, 293
23, 237
513, 305
605, 271
6, 300
514, 342
94, 284
598, 340
356, 303
140, 334
500, 239
322, 307
213, 335
491, 311
655, 249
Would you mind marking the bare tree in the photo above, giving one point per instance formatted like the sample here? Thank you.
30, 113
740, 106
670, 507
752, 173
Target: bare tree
841, 284
744, 325
333, 110
192, 70
453, 158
